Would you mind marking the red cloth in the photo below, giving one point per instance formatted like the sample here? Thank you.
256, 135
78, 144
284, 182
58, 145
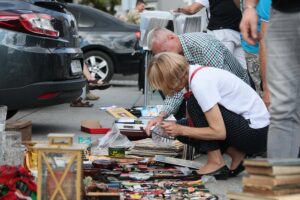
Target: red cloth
10, 175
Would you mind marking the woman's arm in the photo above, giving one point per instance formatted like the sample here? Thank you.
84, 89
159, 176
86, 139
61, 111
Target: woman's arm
215, 131
191, 9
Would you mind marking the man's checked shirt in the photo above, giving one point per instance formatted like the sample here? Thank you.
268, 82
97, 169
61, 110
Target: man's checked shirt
206, 50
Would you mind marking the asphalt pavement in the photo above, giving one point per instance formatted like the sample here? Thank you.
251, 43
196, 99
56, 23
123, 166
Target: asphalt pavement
65, 119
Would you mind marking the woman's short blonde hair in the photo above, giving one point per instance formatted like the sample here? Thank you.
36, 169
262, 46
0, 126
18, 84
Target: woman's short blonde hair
168, 72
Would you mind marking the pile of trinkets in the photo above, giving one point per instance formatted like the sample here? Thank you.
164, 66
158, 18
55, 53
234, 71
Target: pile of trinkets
166, 189
145, 180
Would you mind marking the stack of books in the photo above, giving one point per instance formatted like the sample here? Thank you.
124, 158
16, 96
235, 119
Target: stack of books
270, 179
148, 148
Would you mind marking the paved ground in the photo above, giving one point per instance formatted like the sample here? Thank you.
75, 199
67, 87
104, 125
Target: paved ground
66, 119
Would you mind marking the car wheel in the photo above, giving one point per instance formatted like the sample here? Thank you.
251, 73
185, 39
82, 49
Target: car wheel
100, 65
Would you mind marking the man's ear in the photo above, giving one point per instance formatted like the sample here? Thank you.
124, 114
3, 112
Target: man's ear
171, 37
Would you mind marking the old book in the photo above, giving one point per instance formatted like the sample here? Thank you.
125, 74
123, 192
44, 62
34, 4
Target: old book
293, 189
120, 113
265, 162
250, 196
177, 161
273, 170
260, 180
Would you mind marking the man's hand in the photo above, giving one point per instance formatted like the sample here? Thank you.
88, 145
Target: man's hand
153, 122
172, 129
248, 25
266, 97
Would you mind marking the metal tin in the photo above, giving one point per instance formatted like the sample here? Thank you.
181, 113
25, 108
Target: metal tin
116, 152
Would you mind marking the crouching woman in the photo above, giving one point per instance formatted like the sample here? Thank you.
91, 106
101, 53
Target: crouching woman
225, 115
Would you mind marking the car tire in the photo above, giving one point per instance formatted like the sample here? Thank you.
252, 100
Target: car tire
100, 65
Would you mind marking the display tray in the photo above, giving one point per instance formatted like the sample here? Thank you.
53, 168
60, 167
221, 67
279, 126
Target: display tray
95, 130
133, 134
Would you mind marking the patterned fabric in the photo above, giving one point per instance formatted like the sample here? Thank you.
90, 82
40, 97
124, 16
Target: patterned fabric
204, 49
238, 132
16, 181
254, 71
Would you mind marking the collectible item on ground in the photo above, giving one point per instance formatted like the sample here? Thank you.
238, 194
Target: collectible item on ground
273, 179
176, 161
120, 113
116, 152
161, 138
59, 169
16, 182
60, 139
23, 126
146, 179
88, 141
93, 127
104, 164
250, 196
263, 162
147, 147
3, 113
11, 150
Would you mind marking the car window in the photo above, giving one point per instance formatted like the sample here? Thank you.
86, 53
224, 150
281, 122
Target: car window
85, 21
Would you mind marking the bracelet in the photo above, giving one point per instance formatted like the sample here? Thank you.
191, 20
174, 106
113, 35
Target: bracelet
249, 7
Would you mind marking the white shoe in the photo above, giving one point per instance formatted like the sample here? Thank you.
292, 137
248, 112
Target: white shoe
91, 96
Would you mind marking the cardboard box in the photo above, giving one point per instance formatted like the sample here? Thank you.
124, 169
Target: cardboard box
23, 126
93, 127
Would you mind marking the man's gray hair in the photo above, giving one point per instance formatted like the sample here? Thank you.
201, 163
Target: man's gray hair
157, 35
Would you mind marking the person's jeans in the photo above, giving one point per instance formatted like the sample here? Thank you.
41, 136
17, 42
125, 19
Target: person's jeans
283, 78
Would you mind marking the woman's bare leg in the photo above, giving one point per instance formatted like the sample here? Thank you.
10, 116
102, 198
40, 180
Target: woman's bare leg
214, 162
236, 157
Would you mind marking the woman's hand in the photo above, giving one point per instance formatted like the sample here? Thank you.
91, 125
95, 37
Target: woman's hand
154, 122
172, 129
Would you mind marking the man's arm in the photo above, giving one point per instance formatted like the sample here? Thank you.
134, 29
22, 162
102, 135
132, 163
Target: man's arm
172, 104
191, 9
263, 63
248, 24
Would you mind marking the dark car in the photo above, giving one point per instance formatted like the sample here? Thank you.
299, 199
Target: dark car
109, 44
41, 60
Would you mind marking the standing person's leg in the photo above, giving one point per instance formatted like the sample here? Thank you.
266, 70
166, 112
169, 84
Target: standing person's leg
283, 77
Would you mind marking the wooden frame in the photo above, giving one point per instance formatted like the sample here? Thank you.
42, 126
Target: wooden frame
76, 155
60, 139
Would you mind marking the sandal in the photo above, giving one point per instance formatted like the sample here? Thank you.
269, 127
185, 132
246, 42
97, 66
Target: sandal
79, 103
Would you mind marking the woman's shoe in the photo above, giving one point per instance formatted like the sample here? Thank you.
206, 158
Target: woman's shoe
237, 171
220, 174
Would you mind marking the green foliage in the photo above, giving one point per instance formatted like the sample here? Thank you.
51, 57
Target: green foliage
104, 5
